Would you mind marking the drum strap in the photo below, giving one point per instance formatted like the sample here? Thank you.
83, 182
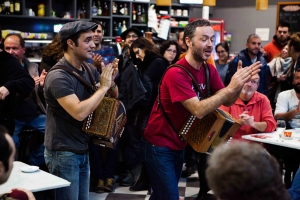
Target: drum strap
195, 84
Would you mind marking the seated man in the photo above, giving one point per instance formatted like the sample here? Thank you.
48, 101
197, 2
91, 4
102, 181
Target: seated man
288, 108
7, 149
252, 110
30, 112
244, 171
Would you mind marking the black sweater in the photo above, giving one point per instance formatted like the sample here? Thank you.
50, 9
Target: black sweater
16, 80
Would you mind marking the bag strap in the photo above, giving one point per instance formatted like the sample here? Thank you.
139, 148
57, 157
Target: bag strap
195, 84
80, 78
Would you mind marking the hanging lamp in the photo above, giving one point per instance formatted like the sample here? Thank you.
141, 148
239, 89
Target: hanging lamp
261, 4
209, 2
163, 2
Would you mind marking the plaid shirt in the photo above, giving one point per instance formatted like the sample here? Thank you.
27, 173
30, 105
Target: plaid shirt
108, 55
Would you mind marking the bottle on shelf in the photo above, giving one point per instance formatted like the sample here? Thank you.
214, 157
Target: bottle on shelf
139, 15
121, 9
11, 7
125, 9
105, 9
115, 29
82, 14
124, 28
143, 15
6, 9
41, 10
17, 7
133, 14
99, 10
94, 9
119, 28
114, 8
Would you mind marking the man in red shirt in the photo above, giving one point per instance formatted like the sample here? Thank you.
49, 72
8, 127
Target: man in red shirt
279, 40
252, 110
161, 147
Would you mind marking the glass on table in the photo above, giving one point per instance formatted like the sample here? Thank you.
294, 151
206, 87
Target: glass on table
281, 126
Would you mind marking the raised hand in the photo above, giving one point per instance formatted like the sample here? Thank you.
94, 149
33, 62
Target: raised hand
97, 61
42, 77
106, 76
3, 92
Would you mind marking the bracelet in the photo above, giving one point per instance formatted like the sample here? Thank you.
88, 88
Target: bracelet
113, 87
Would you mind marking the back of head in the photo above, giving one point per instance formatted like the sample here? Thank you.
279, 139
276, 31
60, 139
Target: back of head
6, 151
244, 171
295, 42
145, 44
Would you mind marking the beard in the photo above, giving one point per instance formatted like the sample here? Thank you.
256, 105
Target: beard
297, 88
197, 53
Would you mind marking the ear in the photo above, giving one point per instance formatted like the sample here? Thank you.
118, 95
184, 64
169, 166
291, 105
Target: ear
188, 41
2, 169
247, 45
24, 50
71, 43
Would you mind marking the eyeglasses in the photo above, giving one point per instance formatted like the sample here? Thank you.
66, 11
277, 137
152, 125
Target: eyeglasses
222, 51
137, 52
171, 51
253, 82
134, 36
284, 32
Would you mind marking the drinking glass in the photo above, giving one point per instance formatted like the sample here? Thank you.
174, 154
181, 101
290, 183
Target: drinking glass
280, 127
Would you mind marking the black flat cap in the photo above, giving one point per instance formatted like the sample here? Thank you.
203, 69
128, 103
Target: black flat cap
137, 31
71, 28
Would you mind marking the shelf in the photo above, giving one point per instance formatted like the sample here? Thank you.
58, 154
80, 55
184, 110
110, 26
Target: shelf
122, 16
38, 41
100, 17
41, 18
141, 25
181, 27
183, 17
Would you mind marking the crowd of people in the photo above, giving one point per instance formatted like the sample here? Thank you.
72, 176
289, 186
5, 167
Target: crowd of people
256, 87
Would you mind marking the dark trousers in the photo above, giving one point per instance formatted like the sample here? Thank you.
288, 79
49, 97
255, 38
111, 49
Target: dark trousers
190, 156
103, 161
202, 165
9, 124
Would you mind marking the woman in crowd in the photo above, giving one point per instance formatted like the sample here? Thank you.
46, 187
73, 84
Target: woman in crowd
278, 68
52, 53
151, 67
170, 50
222, 50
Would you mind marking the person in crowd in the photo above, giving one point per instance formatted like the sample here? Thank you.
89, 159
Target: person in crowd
51, 54
252, 110
287, 107
180, 42
162, 148
13, 79
151, 67
68, 103
8, 150
248, 56
294, 52
31, 111
102, 55
103, 161
222, 50
279, 40
278, 68
244, 171
170, 50
129, 96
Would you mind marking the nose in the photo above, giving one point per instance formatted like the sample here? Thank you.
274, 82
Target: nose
92, 44
210, 43
10, 51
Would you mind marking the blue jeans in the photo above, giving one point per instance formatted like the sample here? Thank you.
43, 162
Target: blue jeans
164, 167
74, 168
295, 188
36, 156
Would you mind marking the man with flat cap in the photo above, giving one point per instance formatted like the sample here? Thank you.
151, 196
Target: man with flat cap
69, 103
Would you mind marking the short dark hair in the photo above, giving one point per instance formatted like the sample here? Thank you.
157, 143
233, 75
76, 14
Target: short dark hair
253, 35
166, 44
295, 41
21, 39
225, 45
283, 24
244, 171
5, 148
189, 30
97, 22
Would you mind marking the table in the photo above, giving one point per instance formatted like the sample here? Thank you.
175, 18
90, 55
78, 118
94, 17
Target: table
273, 138
35, 181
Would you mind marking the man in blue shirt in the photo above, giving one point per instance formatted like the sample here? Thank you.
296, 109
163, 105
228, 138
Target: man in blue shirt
102, 54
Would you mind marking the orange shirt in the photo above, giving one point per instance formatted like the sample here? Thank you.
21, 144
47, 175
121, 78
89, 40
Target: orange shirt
209, 61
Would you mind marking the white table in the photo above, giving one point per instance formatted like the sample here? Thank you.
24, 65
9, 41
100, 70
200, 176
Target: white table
273, 138
35, 181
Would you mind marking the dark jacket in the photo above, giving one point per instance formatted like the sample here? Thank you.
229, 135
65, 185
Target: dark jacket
16, 80
30, 108
244, 57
